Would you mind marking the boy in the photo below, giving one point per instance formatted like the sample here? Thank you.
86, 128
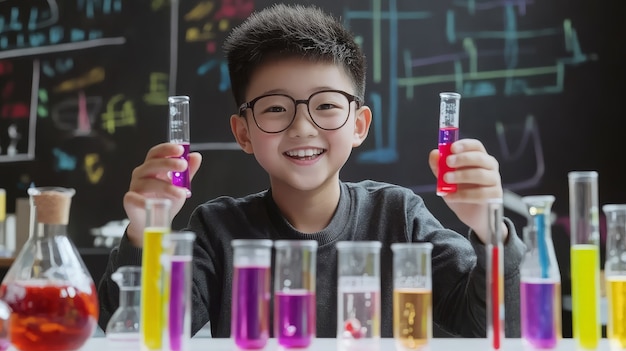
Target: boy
298, 78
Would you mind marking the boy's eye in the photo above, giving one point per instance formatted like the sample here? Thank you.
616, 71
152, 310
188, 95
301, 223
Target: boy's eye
275, 109
326, 106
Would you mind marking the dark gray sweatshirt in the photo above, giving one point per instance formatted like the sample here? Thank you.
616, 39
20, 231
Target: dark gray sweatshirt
367, 210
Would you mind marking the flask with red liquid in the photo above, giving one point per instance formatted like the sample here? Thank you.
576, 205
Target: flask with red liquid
52, 295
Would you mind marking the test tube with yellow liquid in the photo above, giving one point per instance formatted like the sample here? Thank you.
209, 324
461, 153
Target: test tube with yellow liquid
585, 258
615, 272
154, 282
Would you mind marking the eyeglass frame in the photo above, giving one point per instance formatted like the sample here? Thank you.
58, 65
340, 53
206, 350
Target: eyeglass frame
250, 105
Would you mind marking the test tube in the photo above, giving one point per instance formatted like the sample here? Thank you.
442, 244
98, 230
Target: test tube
179, 134
294, 292
412, 295
358, 296
495, 275
615, 272
177, 263
448, 134
3, 216
250, 314
585, 258
154, 287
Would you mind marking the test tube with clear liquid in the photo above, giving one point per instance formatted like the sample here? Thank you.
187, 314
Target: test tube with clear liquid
448, 134
495, 275
585, 258
179, 134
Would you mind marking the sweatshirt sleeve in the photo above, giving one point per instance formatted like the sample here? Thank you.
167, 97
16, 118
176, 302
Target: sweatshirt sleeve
514, 250
125, 254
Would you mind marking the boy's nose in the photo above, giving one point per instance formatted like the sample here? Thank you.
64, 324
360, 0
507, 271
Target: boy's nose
302, 124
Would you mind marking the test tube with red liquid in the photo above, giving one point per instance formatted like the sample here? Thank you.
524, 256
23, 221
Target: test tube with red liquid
179, 134
495, 275
448, 134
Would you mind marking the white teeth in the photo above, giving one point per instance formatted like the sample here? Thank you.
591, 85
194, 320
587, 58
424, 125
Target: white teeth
304, 152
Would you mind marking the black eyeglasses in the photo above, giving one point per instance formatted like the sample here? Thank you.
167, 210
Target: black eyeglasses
274, 113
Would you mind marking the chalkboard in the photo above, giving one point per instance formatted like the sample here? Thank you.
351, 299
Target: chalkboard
84, 86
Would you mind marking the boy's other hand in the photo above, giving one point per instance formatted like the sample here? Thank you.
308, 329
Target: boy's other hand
477, 175
151, 180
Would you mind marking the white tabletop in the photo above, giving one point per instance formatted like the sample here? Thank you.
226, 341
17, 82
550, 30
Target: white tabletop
204, 344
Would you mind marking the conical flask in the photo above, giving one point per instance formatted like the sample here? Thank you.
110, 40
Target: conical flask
122, 331
51, 293
540, 282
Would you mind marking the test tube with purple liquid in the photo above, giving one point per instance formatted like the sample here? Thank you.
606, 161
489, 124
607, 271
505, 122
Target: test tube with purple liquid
294, 292
250, 315
178, 257
179, 134
448, 134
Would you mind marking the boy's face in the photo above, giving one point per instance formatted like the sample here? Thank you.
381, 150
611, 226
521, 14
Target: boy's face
303, 157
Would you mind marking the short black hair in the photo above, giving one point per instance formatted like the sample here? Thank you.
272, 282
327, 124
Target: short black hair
291, 31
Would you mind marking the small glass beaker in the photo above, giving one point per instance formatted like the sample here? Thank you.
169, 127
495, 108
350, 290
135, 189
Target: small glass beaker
358, 293
251, 292
122, 330
294, 292
177, 261
615, 271
412, 295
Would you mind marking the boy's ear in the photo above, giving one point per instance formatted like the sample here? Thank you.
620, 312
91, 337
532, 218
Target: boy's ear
239, 127
362, 123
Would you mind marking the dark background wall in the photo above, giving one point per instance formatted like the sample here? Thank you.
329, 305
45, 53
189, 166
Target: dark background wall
83, 88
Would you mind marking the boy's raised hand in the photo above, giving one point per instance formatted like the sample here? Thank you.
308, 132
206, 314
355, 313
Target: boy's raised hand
477, 176
151, 180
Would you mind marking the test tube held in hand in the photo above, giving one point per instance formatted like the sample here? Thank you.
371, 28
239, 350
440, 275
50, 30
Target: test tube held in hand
179, 134
495, 276
448, 134
585, 258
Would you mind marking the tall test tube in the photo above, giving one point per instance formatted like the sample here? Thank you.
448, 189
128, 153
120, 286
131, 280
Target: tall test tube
585, 258
154, 283
615, 270
448, 134
495, 275
179, 134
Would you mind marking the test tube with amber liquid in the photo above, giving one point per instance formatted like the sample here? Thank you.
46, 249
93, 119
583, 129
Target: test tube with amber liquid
615, 272
585, 258
154, 282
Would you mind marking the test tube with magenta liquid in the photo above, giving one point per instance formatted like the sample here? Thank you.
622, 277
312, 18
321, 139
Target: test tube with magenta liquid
179, 134
585, 258
448, 134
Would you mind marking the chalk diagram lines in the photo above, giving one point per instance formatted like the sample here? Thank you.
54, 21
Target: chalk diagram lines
513, 48
33, 32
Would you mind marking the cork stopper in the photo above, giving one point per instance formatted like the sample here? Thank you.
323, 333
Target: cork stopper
52, 204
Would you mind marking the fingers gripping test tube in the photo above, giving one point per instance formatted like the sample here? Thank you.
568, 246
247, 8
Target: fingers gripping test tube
179, 134
448, 134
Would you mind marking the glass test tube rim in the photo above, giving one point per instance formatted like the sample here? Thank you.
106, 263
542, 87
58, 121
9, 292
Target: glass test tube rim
307, 244
38, 190
613, 208
351, 245
176, 99
577, 176
410, 245
186, 235
450, 95
264, 243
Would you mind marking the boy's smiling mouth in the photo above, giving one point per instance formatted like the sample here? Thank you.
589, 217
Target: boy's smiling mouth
305, 154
